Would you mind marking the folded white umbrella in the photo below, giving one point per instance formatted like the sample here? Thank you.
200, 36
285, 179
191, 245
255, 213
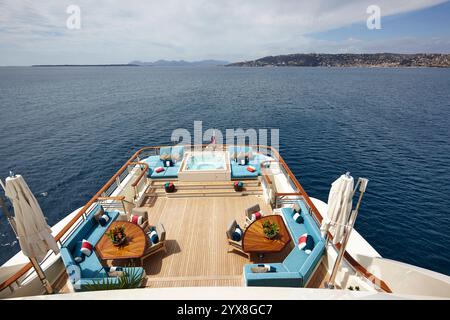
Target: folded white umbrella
339, 207
34, 235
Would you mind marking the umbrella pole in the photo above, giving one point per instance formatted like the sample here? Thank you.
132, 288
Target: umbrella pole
41, 275
8, 215
34, 262
348, 229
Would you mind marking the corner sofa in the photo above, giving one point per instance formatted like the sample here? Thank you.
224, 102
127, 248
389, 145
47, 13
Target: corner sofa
239, 171
90, 269
297, 267
156, 161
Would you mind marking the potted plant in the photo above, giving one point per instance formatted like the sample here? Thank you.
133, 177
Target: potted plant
169, 187
271, 229
117, 235
238, 185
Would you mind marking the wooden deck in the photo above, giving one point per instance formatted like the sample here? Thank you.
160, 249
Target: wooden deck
197, 249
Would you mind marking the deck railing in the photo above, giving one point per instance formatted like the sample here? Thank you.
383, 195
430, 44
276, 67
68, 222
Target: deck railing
24, 273
115, 181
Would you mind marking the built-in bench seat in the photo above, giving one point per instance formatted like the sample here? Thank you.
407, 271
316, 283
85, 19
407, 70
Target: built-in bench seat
90, 269
169, 172
239, 171
297, 267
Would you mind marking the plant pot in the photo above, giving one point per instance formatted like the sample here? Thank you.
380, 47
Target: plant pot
169, 187
272, 236
238, 186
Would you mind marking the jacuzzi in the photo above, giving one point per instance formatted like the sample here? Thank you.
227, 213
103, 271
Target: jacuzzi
205, 166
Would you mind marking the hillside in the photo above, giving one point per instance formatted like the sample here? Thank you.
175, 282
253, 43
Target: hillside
349, 60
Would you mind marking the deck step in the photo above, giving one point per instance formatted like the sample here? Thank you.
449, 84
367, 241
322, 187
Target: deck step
209, 193
195, 281
152, 190
203, 185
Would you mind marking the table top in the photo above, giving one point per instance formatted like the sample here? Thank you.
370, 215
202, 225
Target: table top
134, 246
255, 241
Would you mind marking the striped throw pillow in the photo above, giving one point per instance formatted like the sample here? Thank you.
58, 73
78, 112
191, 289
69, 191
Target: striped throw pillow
306, 243
136, 219
153, 235
237, 234
103, 220
86, 248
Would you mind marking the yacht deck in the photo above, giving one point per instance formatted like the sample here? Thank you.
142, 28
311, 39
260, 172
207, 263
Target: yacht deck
197, 248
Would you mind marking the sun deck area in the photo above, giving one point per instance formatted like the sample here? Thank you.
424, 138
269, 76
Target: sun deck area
196, 221
197, 252
197, 248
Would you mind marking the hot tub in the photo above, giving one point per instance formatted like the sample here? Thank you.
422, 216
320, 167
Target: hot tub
205, 166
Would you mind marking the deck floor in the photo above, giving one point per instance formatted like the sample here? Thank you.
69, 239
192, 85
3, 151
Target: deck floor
197, 249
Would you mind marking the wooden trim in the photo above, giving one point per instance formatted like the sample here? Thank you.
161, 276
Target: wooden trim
136, 182
302, 192
69, 225
16, 276
287, 194
364, 271
263, 169
118, 198
355, 264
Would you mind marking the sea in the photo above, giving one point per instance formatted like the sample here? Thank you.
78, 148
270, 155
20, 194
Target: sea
67, 130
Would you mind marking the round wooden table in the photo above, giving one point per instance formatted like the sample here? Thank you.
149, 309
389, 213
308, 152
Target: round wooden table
255, 241
133, 248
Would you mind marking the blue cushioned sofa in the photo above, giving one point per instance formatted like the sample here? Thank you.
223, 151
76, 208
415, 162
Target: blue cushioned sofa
169, 172
297, 267
90, 269
239, 171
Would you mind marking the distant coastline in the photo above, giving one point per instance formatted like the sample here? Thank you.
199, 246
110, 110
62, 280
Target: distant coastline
350, 60
137, 63
385, 60
86, 65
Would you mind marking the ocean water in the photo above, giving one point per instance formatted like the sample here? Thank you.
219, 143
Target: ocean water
68, 130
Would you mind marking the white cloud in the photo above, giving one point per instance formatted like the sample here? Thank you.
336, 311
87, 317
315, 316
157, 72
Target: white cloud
119, 31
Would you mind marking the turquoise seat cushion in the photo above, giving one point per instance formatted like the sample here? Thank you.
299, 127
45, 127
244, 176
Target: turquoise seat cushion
295, 260
241, 172
165, 151
92, 231
84, 283
312, 260
67, 257
278, 267
312, 228
177, 152
100, 230
245, 149
91, 267
82, 232
156, 175
153, 161
234, 151
77, 255
171, 172
295, 229
280, 278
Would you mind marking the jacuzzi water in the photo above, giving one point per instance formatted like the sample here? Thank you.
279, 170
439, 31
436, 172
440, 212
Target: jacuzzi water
206, 161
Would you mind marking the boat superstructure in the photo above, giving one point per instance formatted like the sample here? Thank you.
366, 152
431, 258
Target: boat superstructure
196, 217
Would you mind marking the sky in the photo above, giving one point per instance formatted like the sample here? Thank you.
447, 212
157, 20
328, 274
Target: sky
36, 32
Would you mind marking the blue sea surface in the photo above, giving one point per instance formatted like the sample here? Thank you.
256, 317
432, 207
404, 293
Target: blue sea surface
67, 130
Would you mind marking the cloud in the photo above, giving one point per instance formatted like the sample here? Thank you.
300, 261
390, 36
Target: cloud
119, 31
